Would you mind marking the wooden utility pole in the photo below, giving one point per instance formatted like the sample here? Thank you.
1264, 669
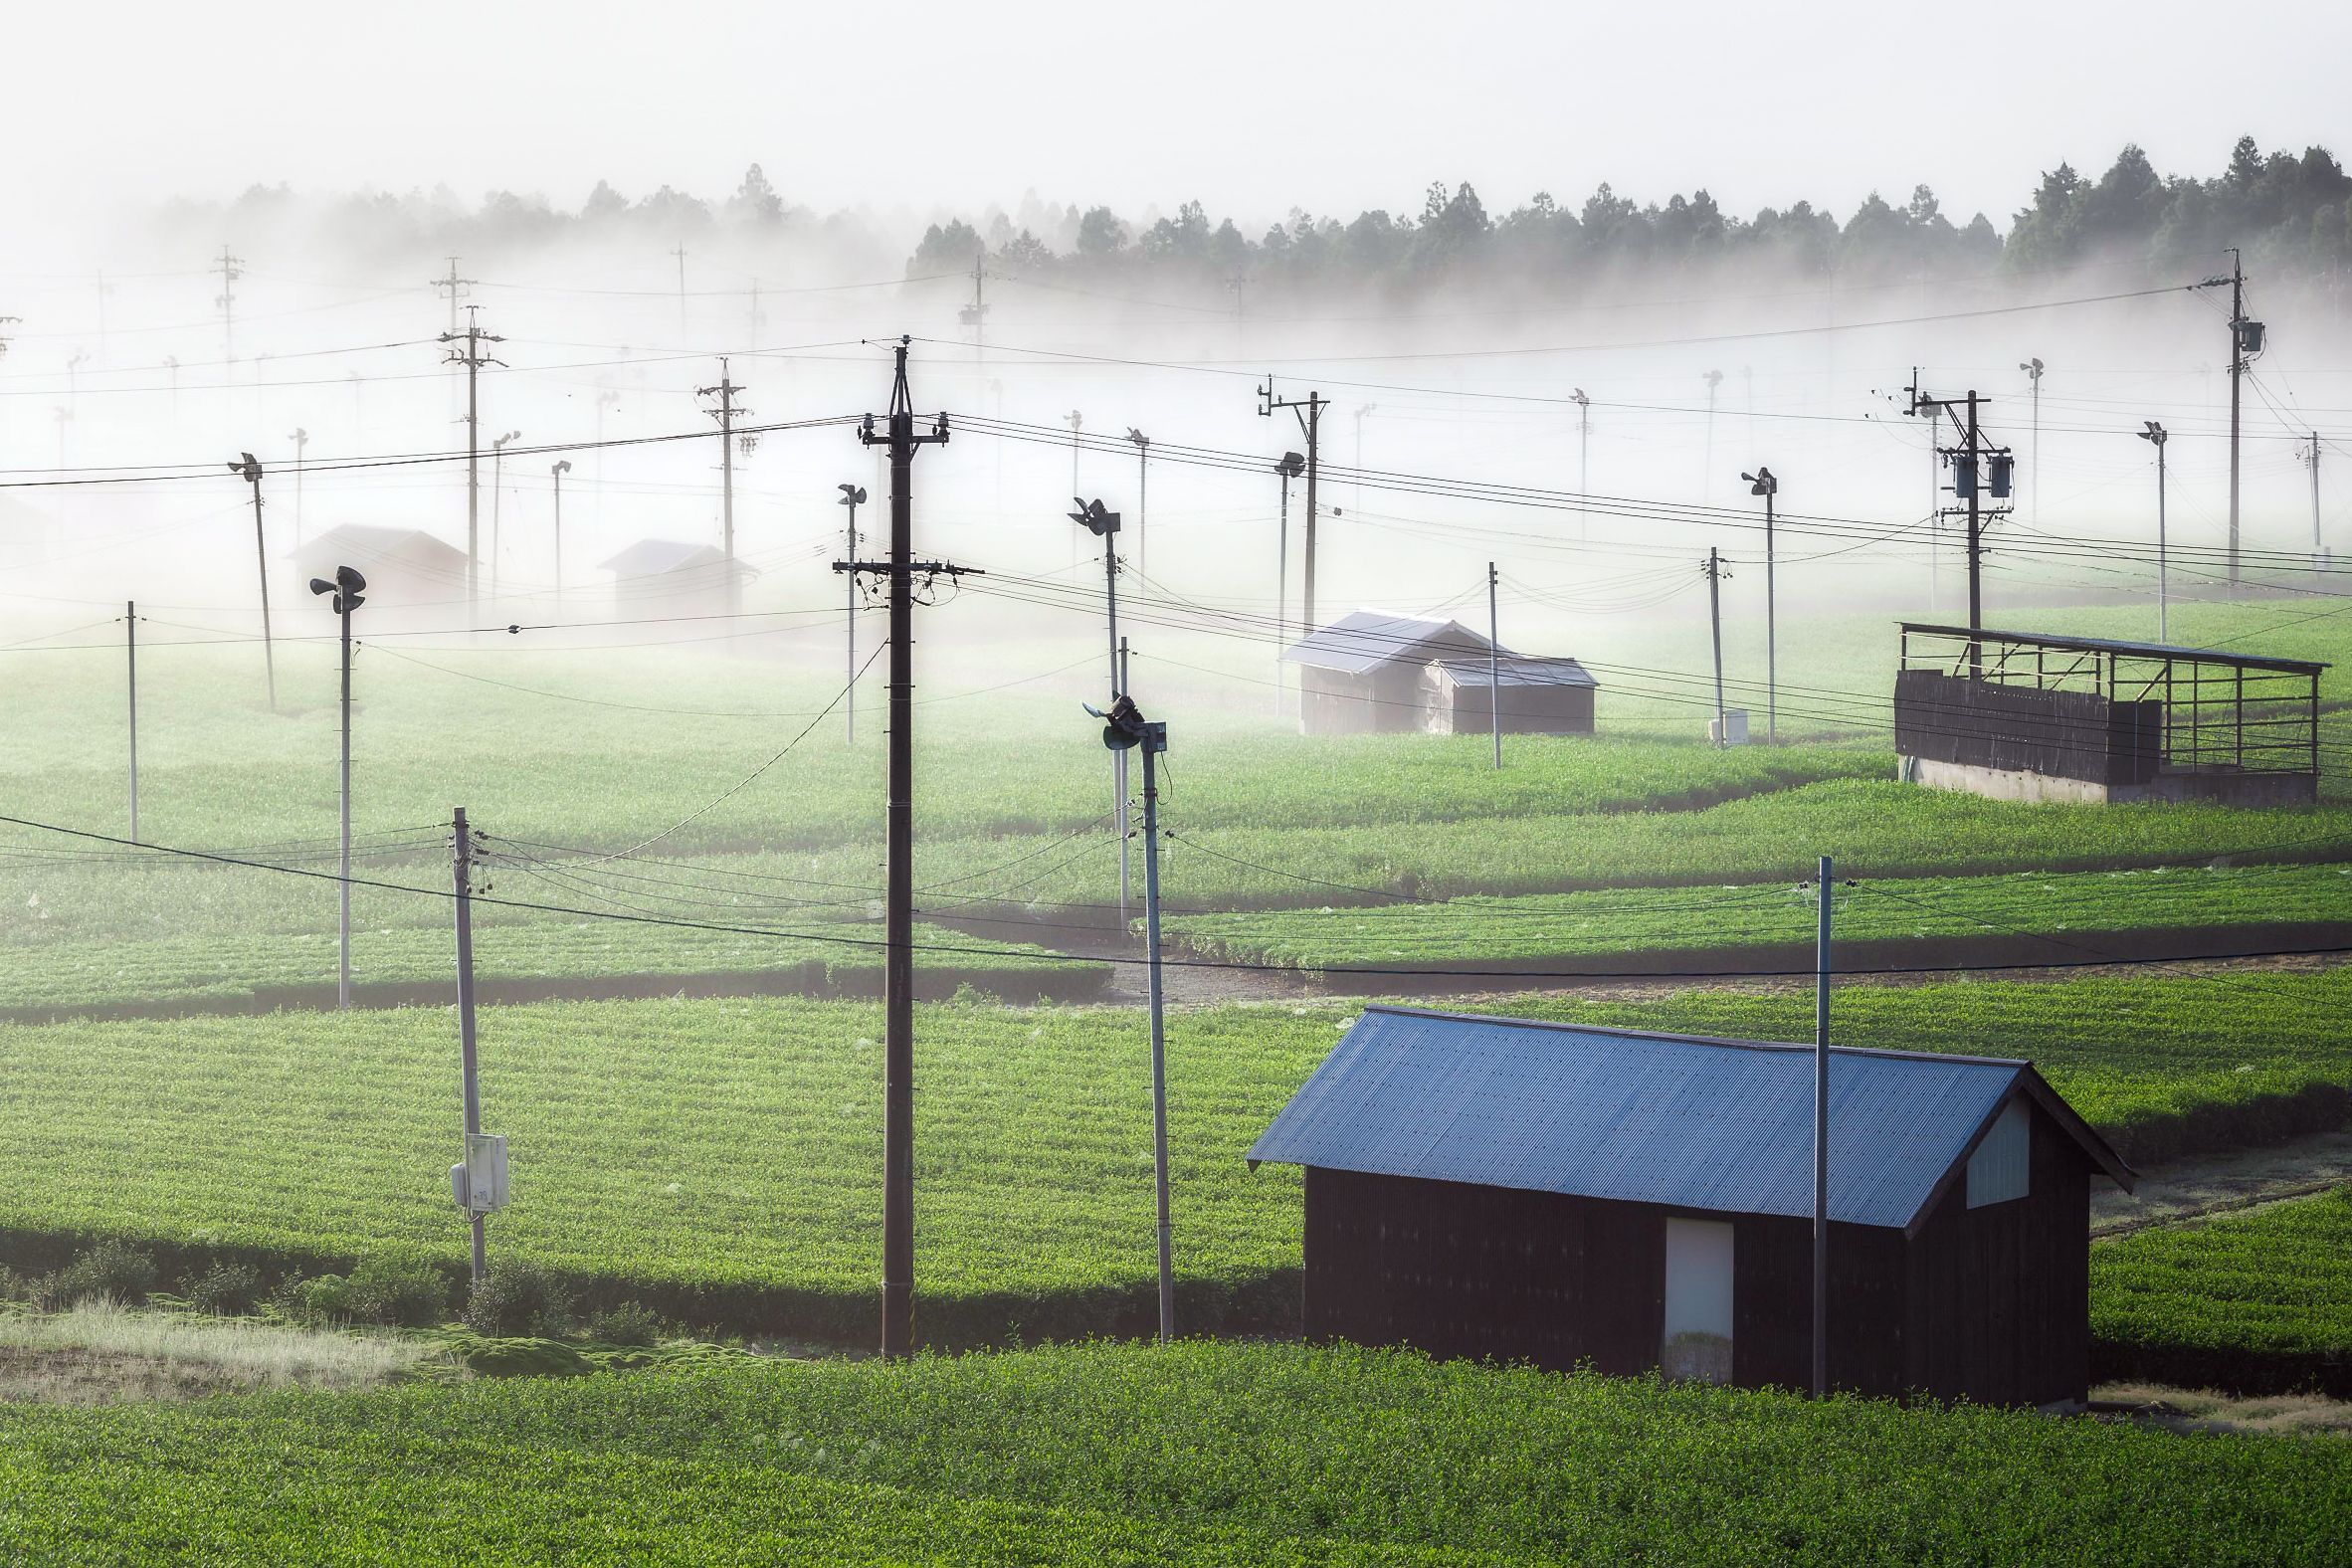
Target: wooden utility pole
727, 414
473, 358
900, 439
1309, 413
1715, 620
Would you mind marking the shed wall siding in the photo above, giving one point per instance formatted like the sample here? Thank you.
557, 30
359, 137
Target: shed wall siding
1999, 1296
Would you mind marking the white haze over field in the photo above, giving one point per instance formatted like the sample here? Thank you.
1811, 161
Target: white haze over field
121, 356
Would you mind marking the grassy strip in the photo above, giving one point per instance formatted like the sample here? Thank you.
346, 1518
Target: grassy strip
2257, 1302
2079, 913
720, 1160
1200, 1453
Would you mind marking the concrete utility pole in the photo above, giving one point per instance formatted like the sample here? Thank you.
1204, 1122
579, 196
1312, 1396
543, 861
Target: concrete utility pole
1494, 664
250, 471
1714, 379
1105, 525
1125, 727
1076, 423
1821, 1141
1290, 468
346, 597
469, 1077
1584, 462
1142, 498
2155, 436
2033, 369
226, 300
130, 651
2311, 456
1761, 483
901, 441
473, 358
1972, 477
681, 253
1361, 410
727, 413
557, 471
497, 490
455, 288
975, 314
301, 439
1309, 413
852, 497
1715, 620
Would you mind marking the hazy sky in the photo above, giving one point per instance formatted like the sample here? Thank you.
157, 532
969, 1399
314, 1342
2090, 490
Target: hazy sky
1252, 108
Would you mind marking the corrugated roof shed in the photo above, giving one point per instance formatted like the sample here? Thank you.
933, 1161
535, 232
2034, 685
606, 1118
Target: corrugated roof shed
366, 543
657, 558
1364, 640
1682, 1120
1518, 669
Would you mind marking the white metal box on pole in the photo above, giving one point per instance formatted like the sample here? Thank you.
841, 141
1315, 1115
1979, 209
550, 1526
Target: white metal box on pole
479, 1182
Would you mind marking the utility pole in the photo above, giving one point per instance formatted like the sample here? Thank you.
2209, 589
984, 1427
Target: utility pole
852, 497
1290, 468
473, 358
345, 590
471, 1084
1714, 379
902, 442
1142, 498
497, 491
1972, 477
1362, 409
681, 253
975, 314
1821, 1141
1761, 483
1309, 414
251, 472
2311, 456
1076, 423
225, 301
2245, 342
2033, 369
2155, 436
1584, 462
1494, 664
725, 414
455, 288
1125, 727
301, 439
1105, 525
130, 651
560, 468
1715, 620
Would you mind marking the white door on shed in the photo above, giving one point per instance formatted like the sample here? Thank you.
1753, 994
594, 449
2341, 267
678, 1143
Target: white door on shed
1697, 1338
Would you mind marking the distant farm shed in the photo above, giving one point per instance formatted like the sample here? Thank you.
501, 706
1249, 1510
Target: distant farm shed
1562, 1195
676, 577
1374, 672
402, 565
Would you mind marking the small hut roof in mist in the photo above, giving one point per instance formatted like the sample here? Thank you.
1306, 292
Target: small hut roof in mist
1368, 639
1516, 670
362, 545
661, 557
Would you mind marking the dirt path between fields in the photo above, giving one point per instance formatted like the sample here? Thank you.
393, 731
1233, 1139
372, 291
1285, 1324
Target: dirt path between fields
2194, 1189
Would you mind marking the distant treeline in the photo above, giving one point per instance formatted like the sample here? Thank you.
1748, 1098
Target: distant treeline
2288, 212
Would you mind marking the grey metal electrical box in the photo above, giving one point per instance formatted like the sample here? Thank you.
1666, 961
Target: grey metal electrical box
478, 1183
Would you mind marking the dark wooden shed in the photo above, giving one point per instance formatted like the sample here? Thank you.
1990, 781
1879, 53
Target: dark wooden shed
1538, 697
1566, 1195
2022, 715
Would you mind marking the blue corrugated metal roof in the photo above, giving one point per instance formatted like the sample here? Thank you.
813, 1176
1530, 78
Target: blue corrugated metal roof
1518, 669
1696, 1123
1365, 639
